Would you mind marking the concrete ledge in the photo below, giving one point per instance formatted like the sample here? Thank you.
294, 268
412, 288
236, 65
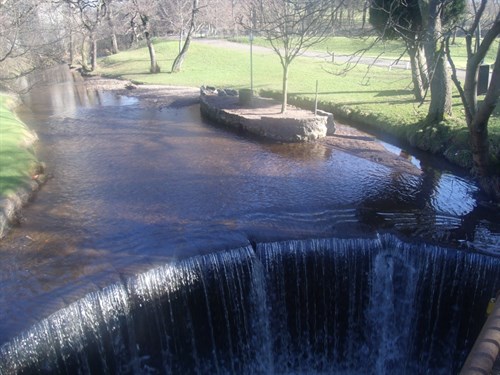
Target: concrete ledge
263, 118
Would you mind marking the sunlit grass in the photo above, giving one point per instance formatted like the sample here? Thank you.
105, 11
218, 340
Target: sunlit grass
16, 158
384, 49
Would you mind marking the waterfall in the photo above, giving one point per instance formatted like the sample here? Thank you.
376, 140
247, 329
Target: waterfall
332, 306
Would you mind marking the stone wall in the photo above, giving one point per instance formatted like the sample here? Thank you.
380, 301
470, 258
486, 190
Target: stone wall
284, 128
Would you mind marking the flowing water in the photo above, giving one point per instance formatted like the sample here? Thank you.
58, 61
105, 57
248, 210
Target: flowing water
332, 306
134, 188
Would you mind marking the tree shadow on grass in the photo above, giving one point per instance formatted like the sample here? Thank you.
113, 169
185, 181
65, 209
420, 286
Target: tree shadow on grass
379, 93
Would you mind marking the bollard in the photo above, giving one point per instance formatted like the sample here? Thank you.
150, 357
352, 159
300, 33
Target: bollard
484, 353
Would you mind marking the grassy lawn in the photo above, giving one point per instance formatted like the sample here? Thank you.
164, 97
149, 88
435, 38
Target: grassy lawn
390, 49
17, 160
206, 65
376, 98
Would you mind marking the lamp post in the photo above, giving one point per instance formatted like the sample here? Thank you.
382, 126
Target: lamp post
251, 60
250, 37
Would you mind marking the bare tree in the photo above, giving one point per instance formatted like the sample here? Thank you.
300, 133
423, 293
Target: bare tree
291, 27
30, 38
176, 66
90, 15
176, 15
477, 115
142, 13
112, 27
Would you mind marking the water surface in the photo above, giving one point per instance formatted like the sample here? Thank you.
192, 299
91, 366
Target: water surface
136, 186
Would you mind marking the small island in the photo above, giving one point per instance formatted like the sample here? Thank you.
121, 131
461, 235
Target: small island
262, 116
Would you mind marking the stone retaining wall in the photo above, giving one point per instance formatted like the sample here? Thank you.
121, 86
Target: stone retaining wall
224, 109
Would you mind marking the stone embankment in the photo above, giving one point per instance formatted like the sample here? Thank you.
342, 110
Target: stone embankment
263, 117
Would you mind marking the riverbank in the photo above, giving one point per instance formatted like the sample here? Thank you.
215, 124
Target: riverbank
21, 174
376, 99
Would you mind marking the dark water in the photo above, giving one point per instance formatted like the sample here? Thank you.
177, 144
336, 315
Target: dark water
331, 306
135, 187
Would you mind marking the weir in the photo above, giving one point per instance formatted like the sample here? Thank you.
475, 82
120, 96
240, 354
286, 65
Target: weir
335, 306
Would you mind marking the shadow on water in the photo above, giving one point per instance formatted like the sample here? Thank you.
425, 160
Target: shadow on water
135, 187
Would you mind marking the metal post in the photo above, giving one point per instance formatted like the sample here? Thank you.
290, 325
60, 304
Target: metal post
316, 100
251, 60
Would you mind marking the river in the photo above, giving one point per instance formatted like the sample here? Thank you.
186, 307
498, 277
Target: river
132, 187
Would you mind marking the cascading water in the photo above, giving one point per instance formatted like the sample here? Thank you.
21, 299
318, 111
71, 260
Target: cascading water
336, 306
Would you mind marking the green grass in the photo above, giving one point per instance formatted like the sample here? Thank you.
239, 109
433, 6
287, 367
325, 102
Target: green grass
390, 49
17, 160
372, 97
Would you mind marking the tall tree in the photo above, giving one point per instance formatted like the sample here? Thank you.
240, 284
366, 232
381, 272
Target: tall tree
176, 13
91, 14
30, 38
142, 12
402, 20
176, 66
291, 27
477, 115
112, 28
438, 17
422, 24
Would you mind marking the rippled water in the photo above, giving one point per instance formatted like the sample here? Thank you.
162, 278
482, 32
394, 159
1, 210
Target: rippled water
134, 186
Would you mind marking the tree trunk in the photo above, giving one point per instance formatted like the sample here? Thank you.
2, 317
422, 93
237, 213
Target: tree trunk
440, 85
154, 68
365, 13
418, 86
470, 86
284, 102
422, 67
93, 54
176, 66
479, 126
71, 48
114, 44
85, 65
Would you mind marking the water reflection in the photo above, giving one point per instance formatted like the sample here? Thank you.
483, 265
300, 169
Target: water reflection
135, 186
68, 93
